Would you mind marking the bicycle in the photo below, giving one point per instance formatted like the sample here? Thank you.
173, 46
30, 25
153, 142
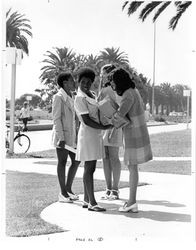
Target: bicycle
21, 141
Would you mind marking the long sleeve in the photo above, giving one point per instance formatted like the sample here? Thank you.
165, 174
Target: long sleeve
125, 104
57, 121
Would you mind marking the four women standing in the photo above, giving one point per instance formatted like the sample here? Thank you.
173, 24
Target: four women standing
91, 144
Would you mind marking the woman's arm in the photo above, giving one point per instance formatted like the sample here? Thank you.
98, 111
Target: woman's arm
56, 113
125, 105
91, 123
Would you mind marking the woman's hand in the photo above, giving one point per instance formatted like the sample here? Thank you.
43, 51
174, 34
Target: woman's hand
61, 144
109, 126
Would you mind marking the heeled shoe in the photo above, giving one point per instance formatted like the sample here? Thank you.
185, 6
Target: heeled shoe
133, 208
74, 197
96, 208
64, 199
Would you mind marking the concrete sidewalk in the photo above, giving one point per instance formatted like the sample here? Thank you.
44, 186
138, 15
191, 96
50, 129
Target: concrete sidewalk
166, 205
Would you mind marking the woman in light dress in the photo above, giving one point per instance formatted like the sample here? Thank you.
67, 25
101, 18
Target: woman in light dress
136, 137
112, 139
90, 142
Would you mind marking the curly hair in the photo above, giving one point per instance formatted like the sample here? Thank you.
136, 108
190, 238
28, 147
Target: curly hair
122, 80
86, 72
63, 77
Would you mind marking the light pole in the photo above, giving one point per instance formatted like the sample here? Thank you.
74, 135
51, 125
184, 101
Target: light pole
154, 58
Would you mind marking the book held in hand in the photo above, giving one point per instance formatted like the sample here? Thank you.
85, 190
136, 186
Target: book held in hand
109, 115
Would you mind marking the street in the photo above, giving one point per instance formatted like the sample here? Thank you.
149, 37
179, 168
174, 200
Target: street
41, 140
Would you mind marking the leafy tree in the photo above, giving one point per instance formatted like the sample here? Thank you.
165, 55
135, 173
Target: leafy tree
158, 7
180, 100
34, 102
17, 28
7, 103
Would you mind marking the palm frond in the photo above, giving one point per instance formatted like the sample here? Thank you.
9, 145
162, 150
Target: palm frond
133, 7
124, 5
17, 26
8, 12
181, 8
148, 9
161, 9
177, 3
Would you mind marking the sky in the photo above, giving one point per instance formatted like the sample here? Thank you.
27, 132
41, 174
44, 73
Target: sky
89, 26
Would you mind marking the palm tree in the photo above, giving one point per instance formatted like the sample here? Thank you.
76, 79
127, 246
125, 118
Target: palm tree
112, 55
17, 27
158, 7
61, 60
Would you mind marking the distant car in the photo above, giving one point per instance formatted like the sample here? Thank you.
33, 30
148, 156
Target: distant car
173, 113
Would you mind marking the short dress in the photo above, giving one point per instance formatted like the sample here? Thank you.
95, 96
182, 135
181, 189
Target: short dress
90, 142
111, 137
136, 136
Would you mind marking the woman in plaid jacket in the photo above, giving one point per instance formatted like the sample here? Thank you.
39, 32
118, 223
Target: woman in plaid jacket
136, 137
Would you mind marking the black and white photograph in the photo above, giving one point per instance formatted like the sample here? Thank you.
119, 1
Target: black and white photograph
97, 124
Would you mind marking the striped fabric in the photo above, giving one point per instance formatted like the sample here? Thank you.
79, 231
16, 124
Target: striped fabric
136, 137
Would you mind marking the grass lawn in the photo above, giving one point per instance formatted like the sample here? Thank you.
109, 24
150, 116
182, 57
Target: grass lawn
27, 194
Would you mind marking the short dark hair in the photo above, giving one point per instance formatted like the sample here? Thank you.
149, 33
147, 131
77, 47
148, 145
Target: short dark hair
63, 77
122, 80
86, 72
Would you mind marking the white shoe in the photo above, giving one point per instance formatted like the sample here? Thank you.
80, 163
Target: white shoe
73, 196
114, 195
107, 194
65, 199
133, 208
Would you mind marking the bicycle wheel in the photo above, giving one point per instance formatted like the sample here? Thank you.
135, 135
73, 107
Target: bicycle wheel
21, 144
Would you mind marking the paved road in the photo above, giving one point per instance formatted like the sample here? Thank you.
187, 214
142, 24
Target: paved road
41, 140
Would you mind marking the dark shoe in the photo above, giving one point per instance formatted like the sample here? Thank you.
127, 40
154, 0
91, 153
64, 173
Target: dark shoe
96, 208
85, 204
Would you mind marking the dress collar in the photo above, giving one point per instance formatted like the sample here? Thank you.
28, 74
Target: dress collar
89, 99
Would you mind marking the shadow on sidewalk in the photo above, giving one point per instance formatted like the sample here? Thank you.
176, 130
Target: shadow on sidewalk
158, 216
112, 209
161, 203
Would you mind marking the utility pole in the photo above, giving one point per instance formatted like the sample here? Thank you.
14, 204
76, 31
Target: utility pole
154, 62
14, 57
